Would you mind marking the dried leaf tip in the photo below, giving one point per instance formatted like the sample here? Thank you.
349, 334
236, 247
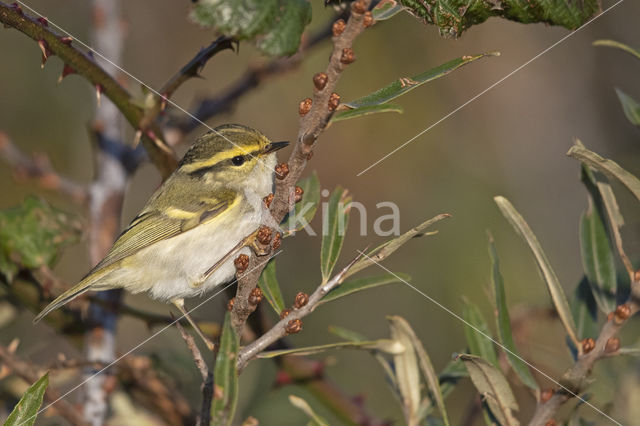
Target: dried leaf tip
294, 326
348, 56
320, 80
305, 106
338, 27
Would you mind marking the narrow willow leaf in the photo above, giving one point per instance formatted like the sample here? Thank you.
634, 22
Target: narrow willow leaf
553, 284
304, 211
606, 166
504, 322
334, 231
225, 393
585, 310
407, 372
426, 366
301, 404
478, 344
386, 10
26, 411
633, 351
406, 84
348, 113
618, 45
383, 345
346, 334
630, 107
268, 283
383, 251
493, 387
349, 287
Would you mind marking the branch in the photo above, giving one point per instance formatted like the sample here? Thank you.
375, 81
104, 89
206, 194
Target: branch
31, 373
77, 61
575, 379
38, 167
315, 114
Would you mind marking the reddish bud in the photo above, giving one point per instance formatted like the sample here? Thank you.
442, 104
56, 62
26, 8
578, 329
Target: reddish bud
338, 27
282, 170
358, 6
298, 194
305, 106
551, 422
546, 395
320, 80
241, 263
348, 56
283, 378
587, 345
621, 314
267, 200
230, 304
636, 276
277, 241
255, 297
334, 101
368, 19
301, 300
309, 155
264, 235
285, 313
612, 345
43, 21
294, 326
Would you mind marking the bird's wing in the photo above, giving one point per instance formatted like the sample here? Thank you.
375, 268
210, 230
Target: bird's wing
152, 226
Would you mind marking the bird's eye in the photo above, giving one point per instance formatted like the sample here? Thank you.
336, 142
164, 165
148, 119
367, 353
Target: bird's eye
238, 160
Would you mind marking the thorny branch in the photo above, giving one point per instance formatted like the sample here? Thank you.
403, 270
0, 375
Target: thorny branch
575, 379
315, 115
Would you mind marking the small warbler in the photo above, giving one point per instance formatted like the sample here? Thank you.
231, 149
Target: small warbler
182, 242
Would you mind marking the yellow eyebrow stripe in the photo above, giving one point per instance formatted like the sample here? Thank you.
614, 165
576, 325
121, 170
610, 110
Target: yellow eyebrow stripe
221, 156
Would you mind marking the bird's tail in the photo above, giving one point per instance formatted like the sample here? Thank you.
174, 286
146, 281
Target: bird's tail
88, 283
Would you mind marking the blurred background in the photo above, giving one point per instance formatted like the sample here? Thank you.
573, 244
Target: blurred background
511, 141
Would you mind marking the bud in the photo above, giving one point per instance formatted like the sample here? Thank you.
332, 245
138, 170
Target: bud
277, 241
285, 313
267, 200
298, 194
320, 80
255, 297
305, 106
294, 326
348, 56
334, 101
368, 19
621, 314
264, 235
587, 345
301, 300
612, 345
546, 395
282, 170
358, 6
338, 27
230, 304
241, 263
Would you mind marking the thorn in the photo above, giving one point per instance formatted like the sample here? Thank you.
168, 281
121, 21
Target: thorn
67, 70
15, 6
46, 52
98, 94
359, 7
43, 21
66, 40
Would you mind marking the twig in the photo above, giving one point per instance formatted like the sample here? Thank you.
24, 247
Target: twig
39, 168
77, 61
30, 373
312, 123
575, 379
195, 352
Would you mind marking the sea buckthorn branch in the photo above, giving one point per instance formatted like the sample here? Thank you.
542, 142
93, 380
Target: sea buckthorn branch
575, 379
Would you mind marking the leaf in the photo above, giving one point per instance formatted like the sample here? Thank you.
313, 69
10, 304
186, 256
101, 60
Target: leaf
553, 284
404, 85
333, 233
630, 107
300, 403
425, 363
407, 373
301, 216
346, 114
606, 166
360, 284
478, 344
274, 25
595, 247
493, 387
386, 9
26, 411
585, 310
383, 345
347, 334
33, 234
452, 17
225, 388
618, 45
383, 251
269, 285
504, 322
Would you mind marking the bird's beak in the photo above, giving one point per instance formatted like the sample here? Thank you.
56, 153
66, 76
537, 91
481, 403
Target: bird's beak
274, 146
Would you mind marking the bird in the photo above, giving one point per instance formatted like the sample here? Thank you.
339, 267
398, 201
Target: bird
182, 242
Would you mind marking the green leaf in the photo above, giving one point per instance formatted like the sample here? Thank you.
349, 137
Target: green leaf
274, 25
493, 387
346, 114
504, 322
633, 351
300, 403
426, 366
385, 249
630, 107
551, 279
346, 334
452, 17
606, 166
268, 283
349, 287
334, 231
25, 412
33, 234
618, 45
386, 9
225, 394
304, 211
585, 310
595, 247
404, 85
478, 344
383, 345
